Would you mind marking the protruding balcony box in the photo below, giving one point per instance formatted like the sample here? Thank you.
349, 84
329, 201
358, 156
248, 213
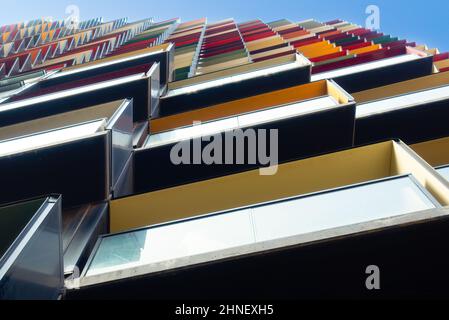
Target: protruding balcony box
390, 68
292, 179
142, 87
307, 120
320, 218
31, 264
234, 83
163, 54
80, 154
413, 111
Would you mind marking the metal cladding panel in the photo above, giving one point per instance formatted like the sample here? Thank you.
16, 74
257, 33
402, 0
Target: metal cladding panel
411, 125
79, 170
121, 140
386, 75
33, 267
331, 268
94, 223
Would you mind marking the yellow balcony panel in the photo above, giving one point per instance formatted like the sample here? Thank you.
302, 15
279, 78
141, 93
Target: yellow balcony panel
399, 88
264, 43
258, 102
301, 177
366, 49
435, 152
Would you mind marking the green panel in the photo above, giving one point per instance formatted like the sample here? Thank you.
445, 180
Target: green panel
339, 42
279, 23
185, 49
13, 219
224, 57
384, 39
311, 24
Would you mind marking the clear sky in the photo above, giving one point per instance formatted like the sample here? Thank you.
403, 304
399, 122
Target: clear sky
421, 21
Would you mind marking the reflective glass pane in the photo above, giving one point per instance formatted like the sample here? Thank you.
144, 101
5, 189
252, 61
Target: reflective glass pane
174, 241
335, 209
404, 101
50, 137
310, 213
444, 172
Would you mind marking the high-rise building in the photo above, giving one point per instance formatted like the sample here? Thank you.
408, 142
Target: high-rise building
221, 159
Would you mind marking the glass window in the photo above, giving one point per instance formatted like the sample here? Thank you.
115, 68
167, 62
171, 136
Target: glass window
173, 241
444, 172
335, 209
286, 218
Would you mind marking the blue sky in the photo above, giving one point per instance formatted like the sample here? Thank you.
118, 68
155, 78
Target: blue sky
420, 21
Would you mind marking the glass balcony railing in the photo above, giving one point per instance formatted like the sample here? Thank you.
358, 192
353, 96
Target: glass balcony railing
242, 121
403, 101
261, 223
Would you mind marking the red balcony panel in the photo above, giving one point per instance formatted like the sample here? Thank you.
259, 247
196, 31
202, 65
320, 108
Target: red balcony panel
395, 44
336, 37
216, 53
357, 46
333, 21
329, 33
305, 42
258, 31
229, 45
328, 56
360, 31
185, 38
353, 43
363, 58
372, 36
281, 54
260, 36
220, 43
186, 43
253, 28
441, 56
282, 45
222, 37
290, 30
42, 89
219, 30
199, 28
